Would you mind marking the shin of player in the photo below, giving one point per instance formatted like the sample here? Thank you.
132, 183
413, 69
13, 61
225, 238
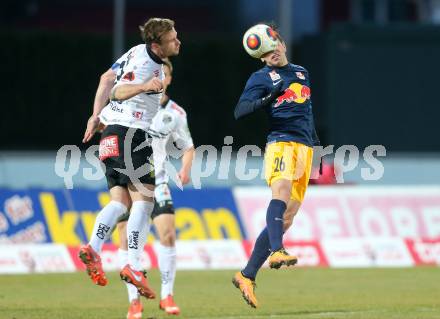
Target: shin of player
135, 309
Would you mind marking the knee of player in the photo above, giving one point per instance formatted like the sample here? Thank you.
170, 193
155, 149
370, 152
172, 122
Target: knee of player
168, 237
121, 198
281, 190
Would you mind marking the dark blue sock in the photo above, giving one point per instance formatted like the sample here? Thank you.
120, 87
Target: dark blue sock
259, 255
274, 220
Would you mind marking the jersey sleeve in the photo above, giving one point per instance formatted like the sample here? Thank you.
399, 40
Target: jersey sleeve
115, 66
254, 89
132, 69
252, 97
182, 135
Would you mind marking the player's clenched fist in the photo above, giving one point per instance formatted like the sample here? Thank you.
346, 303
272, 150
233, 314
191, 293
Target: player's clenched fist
153, 85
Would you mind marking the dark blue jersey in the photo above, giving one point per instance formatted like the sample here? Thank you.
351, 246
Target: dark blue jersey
290, 114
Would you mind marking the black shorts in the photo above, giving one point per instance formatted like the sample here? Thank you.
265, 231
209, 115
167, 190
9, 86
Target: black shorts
165, 207
111, 153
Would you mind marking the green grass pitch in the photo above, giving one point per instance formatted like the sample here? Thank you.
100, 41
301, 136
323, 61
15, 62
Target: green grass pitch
402, 293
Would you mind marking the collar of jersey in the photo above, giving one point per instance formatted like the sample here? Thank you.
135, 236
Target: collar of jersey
153, 56
285, 67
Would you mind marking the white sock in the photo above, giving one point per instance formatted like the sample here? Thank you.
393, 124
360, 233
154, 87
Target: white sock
137, 231
167, 267
131, 289
105, 221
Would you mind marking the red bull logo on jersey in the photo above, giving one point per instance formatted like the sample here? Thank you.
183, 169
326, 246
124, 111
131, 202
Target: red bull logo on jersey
296, 92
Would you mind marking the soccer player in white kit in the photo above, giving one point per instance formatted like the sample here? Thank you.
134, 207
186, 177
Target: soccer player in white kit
171, 120
125, 150
171, 138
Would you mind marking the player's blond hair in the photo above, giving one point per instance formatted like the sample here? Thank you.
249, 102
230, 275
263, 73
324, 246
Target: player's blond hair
154, 29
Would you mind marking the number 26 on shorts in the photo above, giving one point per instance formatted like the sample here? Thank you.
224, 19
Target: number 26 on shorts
279, 164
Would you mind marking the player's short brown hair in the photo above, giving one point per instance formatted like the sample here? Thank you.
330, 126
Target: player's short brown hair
154, 29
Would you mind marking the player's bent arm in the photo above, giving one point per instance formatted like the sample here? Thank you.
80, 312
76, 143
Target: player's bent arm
245, 107
105, 85
103, 91
187, 159
126, 91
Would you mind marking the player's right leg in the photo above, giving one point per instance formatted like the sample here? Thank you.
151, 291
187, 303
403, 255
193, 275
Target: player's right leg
111, 150
105, 221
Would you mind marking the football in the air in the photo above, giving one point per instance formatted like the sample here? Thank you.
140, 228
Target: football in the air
259, 39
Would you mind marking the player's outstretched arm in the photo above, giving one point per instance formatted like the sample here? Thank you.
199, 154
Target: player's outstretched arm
126, 91
101, 97
245, 107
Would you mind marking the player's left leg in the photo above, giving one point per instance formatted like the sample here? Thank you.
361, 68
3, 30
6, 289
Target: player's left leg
281, 257
281, 189
163, 219
137, 231
279, 167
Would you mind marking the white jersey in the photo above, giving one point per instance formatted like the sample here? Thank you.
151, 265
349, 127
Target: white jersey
174, 144
135, 67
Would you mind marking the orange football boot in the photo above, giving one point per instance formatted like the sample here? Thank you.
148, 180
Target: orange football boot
138, 279
135, 310
169, 306
247, 288
281, 257
93, 265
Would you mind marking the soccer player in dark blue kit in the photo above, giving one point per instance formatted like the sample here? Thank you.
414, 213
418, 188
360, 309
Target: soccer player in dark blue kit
282, 89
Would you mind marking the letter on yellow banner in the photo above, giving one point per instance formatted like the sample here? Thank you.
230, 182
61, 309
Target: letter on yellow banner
61, 229
189, 224
104, 198
221, 219
88, 221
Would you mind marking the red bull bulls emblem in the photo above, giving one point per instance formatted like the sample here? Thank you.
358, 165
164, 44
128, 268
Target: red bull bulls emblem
296, 92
